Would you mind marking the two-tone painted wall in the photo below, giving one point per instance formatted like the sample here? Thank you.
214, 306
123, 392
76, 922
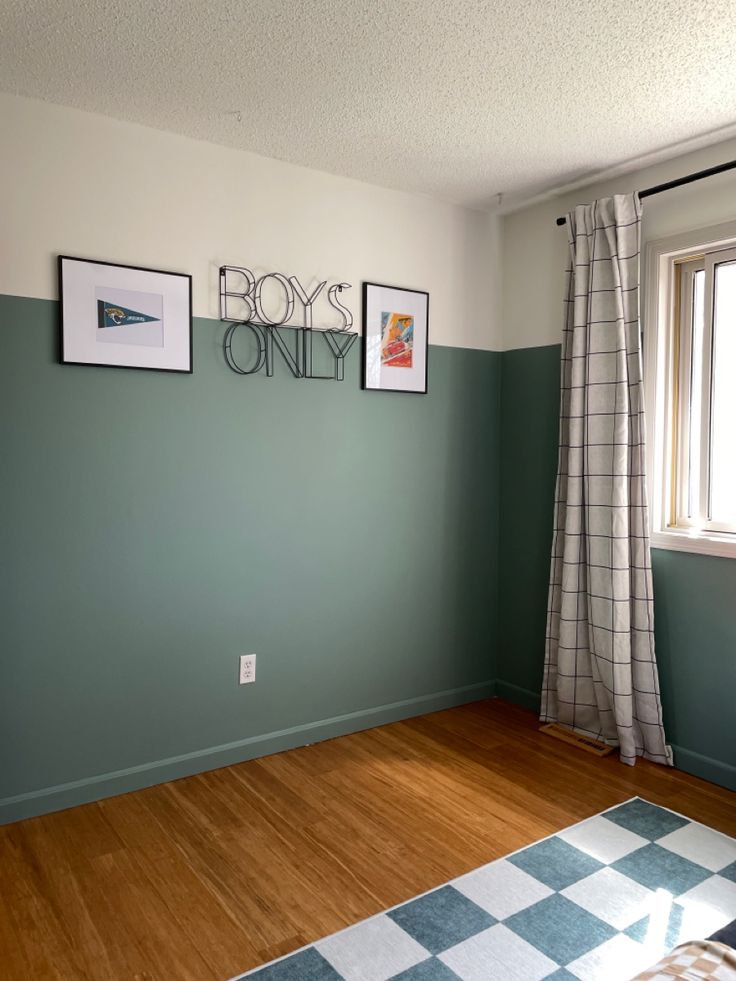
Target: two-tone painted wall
382, 554
695, 595
155, 527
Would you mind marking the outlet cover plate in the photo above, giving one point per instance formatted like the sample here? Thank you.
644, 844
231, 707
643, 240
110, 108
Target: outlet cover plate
247, 668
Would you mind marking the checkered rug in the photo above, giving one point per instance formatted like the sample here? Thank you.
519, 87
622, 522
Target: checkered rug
603, 899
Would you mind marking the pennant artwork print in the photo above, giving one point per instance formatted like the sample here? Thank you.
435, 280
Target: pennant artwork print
117, 316
114, 315
129, 317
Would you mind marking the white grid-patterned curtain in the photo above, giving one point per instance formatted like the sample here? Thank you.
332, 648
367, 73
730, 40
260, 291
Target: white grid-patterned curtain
600, 675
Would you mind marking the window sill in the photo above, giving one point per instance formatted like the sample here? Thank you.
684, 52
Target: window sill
684, 541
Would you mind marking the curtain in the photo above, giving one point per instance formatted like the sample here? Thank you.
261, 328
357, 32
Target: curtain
600, 673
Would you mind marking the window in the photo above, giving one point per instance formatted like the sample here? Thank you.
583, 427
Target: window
690, 328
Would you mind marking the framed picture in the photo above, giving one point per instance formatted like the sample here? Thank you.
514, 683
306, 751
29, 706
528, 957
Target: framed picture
395, 338
124, 316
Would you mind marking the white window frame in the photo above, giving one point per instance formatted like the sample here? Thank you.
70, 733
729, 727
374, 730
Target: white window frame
660, 354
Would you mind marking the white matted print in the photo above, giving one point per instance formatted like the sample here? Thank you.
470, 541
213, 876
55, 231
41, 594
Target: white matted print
395, 338
125, 316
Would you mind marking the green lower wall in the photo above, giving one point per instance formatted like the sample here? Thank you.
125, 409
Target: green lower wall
695, 595
156, 526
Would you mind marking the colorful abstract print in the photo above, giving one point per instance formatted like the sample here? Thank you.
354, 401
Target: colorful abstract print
397, 340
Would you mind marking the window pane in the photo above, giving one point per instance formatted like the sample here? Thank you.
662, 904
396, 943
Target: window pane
696, 389
723, 417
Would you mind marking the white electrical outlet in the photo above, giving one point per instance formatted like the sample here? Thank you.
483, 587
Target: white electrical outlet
247, 668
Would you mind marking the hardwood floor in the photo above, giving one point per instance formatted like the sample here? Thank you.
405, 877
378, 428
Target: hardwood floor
209, 876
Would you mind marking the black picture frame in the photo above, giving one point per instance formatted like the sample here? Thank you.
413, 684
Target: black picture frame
79, 311
379, 375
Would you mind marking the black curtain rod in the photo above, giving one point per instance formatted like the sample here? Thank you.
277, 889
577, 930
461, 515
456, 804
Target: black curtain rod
658, 188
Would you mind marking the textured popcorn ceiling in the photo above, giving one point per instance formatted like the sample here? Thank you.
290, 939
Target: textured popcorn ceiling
459, 99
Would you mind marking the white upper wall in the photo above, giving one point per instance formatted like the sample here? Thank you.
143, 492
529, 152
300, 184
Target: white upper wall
534, 248
85, 185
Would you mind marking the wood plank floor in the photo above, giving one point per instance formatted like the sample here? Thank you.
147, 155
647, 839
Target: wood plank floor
205, 877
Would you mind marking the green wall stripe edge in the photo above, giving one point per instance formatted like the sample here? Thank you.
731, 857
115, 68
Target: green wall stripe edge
215, 320
61, 796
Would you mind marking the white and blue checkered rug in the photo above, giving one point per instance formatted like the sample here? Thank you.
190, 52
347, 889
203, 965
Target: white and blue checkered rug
601, 900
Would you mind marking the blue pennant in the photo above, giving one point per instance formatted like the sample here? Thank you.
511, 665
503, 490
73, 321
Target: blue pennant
113, 315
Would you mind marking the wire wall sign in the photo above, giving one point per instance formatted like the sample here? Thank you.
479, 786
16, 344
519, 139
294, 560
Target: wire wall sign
249, 302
